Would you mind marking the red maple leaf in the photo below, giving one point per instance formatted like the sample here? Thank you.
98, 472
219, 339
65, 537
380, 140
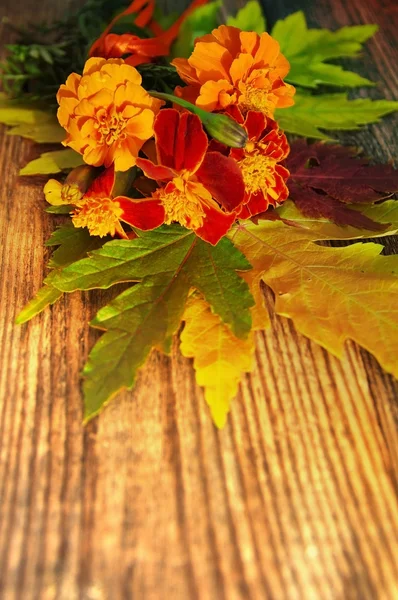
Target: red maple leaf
325, 178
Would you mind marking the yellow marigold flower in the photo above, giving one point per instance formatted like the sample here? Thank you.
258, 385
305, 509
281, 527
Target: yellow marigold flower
57, 193
230, 67
107, 113
74, 187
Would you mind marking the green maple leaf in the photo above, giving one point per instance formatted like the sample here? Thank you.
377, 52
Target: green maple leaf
165, 264
73, 244
310, 114
307, 49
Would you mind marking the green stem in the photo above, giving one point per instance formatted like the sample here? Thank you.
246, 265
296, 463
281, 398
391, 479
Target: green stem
220, 127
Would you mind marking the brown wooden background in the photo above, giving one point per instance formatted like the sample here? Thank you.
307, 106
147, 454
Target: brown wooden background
295, 498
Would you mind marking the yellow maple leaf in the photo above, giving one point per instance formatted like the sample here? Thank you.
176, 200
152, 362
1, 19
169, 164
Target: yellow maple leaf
331, 294
220, 358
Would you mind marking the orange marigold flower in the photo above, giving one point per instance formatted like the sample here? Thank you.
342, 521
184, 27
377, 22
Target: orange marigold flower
107, 113
234, 67
201, 190
264, 177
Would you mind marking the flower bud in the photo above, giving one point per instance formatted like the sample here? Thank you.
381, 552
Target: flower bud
79, 179
221, 127
225, 130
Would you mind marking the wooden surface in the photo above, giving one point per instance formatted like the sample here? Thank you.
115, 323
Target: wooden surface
295, 498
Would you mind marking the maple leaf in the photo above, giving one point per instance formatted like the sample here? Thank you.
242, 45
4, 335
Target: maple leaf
321, 228
220, 358
324, 178
73, 244
307, 49
310, 114
331, 294
165, 264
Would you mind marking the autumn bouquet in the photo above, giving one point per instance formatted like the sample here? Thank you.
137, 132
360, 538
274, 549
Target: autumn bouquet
180, 181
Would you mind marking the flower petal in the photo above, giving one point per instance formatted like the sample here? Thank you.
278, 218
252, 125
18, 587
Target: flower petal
156, 172
143, 214
103, 185
222, 176
180, 139
216, 224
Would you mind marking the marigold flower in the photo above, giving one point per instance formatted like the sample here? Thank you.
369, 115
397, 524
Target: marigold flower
74, 187
140, 50
201, 190
234, 67
107, 113
264, 176
102, 211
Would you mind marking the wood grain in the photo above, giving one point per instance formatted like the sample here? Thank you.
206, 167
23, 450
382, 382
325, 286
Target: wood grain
295, 498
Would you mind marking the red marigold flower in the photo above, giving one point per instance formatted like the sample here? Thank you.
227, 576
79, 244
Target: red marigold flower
199, 189
264, 176
140, 50
102, 212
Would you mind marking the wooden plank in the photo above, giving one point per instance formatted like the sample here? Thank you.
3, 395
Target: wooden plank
295, 498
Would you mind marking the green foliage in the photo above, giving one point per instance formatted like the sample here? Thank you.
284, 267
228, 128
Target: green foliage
30, 121
310, 114
53, 162
199, 22
73, 244
160, 78
307, 49
165, 264
249, 18
45, 55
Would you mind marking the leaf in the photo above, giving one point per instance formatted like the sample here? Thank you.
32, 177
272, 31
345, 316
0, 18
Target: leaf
166, 263
61, 209
249, 18
324, 178
175, 252
53, 162
201, 21
73, 244
30, 122
310, 114
220, 358
307, 49
331, 294
46, 296
322, 228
